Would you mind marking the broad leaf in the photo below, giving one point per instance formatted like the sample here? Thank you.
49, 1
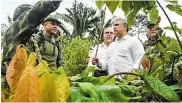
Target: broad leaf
175, 8
62, 85
162, 89
86, 72
126, 7
129, 90
28, 87
170, 28
99, 3
173, 46
2, 96
99, 80
42, 67
153, 14
137, 6
76, 96
161, 46
112, 5
112, 93
47, 88
16, 67
31, 59
88, 89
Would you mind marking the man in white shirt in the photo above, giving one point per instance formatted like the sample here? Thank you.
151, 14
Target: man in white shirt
108, 36
125, 53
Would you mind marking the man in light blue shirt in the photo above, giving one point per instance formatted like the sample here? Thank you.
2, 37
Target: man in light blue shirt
125, 53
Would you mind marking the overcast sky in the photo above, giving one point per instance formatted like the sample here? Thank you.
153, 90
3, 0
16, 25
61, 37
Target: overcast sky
8, 7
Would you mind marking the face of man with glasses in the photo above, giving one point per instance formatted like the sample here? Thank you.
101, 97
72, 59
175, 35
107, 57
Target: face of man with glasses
108, 35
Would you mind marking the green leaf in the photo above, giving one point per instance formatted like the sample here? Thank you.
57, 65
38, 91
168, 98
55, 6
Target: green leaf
152, 3
99, 3
176, 87
173, 1
130, 18
112, 93
137, 6
129, 90
162, 89
100, 80
120, 4
126, 7
88, 89
86, 72
175, 8
174, 46
159, 46
153, 14
76, 96
170, 28
112, 5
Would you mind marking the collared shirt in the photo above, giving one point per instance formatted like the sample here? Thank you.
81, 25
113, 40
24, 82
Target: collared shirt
123, 55
101, 55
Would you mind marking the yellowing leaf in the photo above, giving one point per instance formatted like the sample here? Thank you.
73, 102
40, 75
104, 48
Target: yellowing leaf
157, 23
28, 87
146, 63
31, 59
2, 96
62, 85
47, 88
16, 67
42, 67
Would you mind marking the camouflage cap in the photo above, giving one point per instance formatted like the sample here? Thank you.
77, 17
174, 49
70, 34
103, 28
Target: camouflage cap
51, 18
150, 25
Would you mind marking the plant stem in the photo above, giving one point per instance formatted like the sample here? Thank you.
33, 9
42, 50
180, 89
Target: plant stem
101, 27
180, 44
120, 73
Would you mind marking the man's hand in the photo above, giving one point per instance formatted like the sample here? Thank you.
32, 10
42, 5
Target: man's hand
95, 61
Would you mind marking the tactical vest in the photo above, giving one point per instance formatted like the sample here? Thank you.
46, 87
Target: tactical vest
46, 49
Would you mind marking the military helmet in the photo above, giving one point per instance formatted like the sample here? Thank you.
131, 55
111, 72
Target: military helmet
20, 9
51, 18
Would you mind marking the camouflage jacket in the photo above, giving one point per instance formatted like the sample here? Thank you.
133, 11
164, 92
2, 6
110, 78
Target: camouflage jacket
47, 48
22, 28
156, 48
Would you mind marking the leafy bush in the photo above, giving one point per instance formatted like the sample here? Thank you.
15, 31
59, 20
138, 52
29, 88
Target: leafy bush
75, 54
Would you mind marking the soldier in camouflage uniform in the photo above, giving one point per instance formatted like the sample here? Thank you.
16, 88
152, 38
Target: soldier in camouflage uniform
45, 44
153, 43
26, 19
152, 35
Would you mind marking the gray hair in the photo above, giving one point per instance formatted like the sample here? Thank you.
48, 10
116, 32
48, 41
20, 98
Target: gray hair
124, 22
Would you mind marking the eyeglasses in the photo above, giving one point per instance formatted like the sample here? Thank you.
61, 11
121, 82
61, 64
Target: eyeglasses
108, 32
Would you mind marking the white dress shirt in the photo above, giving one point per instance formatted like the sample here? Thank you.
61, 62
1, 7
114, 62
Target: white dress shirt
101, 55
123, 55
